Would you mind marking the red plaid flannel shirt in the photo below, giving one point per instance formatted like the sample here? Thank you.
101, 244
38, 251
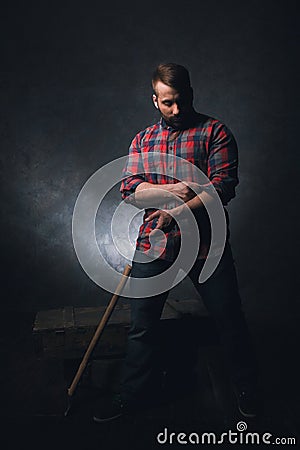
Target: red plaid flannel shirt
209, 145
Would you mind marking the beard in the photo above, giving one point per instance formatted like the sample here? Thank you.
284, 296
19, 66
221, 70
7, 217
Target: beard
179, 122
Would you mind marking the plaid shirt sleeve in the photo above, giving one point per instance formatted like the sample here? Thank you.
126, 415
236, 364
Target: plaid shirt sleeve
223, 162
133, 172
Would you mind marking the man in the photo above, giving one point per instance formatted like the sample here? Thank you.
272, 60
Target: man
210, 146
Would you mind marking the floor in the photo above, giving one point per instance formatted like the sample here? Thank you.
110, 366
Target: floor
33, 393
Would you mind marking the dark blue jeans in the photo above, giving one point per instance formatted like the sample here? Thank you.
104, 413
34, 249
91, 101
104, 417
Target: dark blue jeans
220, 296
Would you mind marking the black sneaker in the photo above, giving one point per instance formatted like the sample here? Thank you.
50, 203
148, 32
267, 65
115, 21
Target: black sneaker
109, 409
247, 403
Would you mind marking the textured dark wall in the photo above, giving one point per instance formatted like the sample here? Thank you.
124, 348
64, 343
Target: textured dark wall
75, 88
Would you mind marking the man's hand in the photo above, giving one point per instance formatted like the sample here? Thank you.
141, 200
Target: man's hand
185, 190
164, 219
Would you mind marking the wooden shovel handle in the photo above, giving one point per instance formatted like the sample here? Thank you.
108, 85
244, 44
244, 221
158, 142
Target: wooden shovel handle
100, 329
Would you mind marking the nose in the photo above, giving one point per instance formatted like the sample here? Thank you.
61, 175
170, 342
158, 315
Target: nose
175, 109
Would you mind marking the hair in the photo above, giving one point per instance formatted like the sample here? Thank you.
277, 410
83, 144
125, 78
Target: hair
173, 75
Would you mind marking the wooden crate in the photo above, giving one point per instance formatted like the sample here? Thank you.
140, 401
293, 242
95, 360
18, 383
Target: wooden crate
66, 332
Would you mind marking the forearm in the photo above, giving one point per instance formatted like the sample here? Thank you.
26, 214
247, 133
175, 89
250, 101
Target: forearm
149, 195
145, 186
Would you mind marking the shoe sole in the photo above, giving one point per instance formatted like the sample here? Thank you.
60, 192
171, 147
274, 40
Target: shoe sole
107, 419
250, 416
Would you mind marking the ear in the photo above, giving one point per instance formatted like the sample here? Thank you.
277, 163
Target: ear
154, 98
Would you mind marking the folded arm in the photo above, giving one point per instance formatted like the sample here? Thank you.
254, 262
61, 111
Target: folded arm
222, 172
222, 166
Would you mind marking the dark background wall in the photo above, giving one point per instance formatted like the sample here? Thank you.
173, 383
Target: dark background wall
75, 89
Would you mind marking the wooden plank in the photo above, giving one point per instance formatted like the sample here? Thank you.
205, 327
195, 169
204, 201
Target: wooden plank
68, 316
106, 373
51, 319
91, 316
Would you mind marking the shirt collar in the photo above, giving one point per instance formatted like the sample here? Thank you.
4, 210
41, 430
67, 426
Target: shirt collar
163, 124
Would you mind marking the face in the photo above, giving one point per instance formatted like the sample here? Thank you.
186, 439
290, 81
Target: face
174, 107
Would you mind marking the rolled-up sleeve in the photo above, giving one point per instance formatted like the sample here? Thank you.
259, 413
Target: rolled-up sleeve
133, 172
223, 162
